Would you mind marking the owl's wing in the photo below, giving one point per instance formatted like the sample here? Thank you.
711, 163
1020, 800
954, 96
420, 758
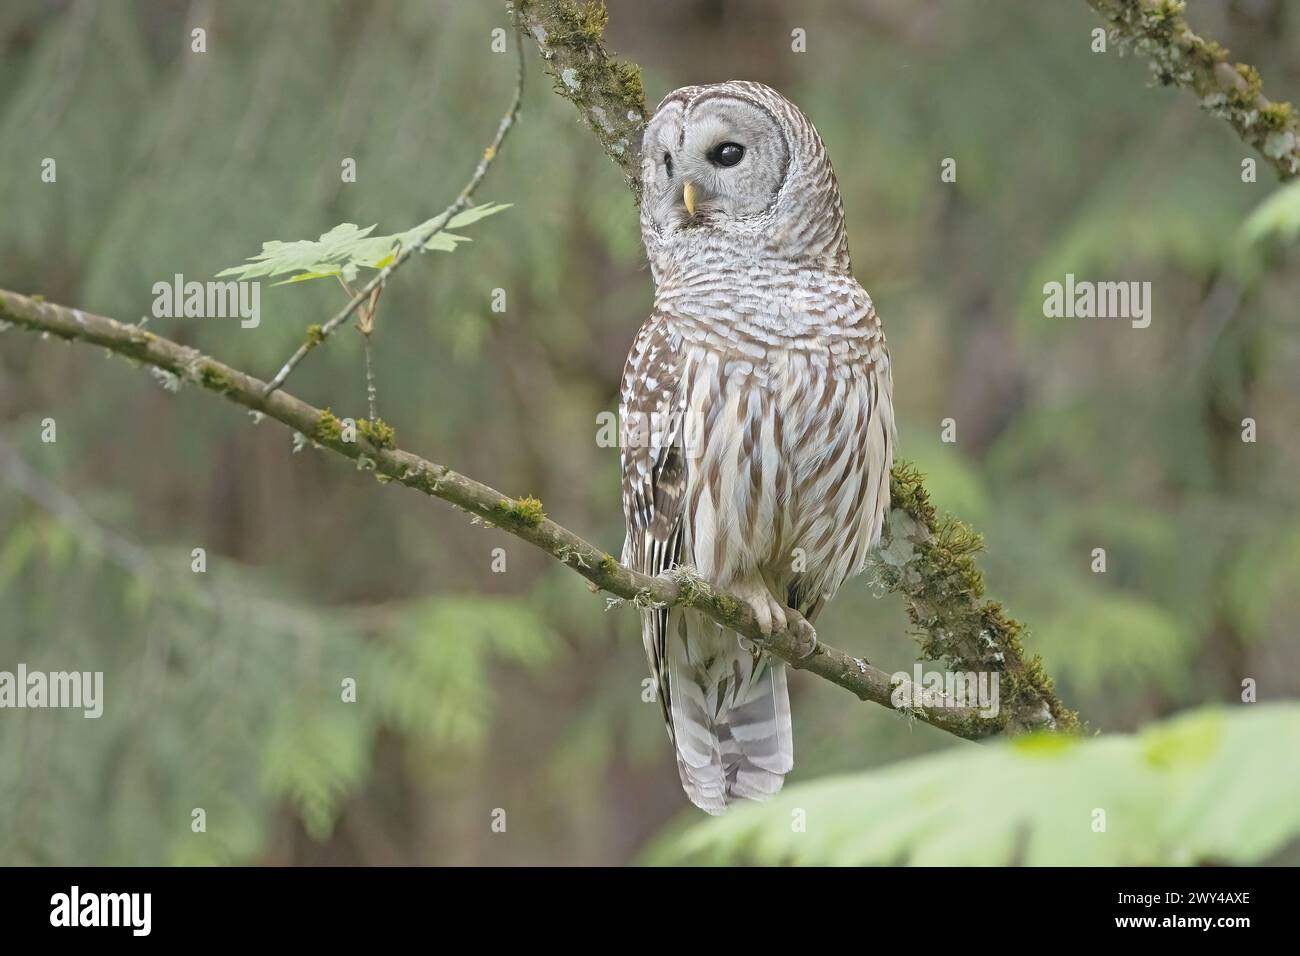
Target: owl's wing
651, 414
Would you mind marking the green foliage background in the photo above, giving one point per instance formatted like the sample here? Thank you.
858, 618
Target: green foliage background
516, 690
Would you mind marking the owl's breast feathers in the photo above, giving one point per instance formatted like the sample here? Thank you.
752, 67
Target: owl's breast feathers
758, 431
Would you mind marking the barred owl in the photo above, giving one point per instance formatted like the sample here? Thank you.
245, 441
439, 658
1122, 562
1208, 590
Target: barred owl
757, 423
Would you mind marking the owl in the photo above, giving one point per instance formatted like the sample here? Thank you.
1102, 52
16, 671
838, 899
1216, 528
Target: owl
757, 423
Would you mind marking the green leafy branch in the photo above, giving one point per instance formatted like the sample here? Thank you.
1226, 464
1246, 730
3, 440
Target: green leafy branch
342, 253
347, 249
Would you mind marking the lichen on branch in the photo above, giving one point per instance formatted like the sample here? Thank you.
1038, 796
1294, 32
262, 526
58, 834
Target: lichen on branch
1157, 30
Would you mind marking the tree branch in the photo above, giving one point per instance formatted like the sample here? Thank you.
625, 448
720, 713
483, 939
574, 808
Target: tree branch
522, 517
1233, 92
928, 559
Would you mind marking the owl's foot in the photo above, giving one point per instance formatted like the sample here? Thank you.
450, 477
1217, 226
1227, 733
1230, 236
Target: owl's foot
806, 635
769, 612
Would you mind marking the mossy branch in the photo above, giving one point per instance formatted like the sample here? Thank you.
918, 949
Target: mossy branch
927, 559
525, 518
1157, 30
606, 92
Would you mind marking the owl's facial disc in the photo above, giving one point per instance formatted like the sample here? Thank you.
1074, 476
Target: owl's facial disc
710, 160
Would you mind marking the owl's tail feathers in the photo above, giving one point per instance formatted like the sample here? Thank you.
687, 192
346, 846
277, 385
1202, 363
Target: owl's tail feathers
699, 758
756, 738
745, 751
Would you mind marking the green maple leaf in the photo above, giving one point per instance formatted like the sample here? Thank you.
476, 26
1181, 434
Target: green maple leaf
348, 248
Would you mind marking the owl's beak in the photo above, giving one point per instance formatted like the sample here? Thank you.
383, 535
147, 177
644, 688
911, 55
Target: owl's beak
690, 196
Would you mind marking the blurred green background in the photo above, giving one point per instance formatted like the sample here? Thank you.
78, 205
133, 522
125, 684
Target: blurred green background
517, 690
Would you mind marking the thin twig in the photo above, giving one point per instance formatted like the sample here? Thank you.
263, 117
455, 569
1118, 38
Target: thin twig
462, 200
366, 325
371, 398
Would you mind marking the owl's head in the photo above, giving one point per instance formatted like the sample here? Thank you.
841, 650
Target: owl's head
736, 165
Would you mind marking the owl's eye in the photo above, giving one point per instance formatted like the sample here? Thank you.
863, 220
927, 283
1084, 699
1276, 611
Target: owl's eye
727, 154
668, 164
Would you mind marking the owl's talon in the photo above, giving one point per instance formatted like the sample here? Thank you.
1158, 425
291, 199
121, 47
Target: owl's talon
806, 635
776, 617
768, 612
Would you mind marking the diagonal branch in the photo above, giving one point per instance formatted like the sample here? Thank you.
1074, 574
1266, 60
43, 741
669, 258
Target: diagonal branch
1232, 91
522, 517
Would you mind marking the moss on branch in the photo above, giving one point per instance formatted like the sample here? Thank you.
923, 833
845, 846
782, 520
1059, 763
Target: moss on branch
518, 513
1157, 30
929, 559
379, 433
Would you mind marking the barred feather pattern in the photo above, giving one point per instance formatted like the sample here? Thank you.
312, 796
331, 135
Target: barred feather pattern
757, 438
